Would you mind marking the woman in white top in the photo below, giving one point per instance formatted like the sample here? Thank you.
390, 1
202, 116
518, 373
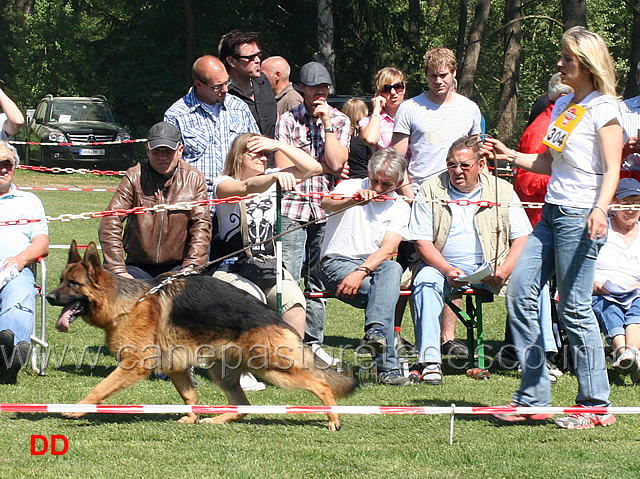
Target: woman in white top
245, 173
618, 265
584, 146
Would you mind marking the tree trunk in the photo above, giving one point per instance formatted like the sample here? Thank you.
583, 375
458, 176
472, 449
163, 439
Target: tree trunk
574, 12
462, 30
190, 39
634, 56
414, 20
472, 55
325, 54
508, 104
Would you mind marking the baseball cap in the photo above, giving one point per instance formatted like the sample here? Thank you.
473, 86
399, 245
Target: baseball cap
164, 134
314, 73
627, 187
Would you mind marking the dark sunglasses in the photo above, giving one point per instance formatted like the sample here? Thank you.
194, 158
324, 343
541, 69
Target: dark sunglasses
249, 57
396, 86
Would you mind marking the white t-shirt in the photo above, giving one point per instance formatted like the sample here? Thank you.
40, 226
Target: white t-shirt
463, 249
20, 205
618, 262
577, 171
432, 128
358, 232
261, 218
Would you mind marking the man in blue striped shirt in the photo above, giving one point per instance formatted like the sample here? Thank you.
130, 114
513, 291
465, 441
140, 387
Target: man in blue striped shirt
209, 119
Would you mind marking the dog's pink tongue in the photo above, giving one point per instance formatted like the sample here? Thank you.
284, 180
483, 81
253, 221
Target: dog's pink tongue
62, 324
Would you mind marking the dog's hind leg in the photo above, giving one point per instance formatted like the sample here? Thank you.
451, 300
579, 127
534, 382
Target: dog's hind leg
118, 380
183, 383
299, 378
230, 384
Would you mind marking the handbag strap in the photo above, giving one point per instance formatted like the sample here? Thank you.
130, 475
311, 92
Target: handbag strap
244, 229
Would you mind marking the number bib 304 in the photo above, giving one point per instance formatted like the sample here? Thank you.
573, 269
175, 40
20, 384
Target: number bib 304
563, 126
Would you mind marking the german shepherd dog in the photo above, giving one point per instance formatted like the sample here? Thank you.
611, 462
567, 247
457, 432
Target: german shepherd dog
192, 320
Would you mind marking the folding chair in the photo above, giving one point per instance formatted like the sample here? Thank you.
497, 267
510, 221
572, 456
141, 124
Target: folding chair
471, 317
38, 338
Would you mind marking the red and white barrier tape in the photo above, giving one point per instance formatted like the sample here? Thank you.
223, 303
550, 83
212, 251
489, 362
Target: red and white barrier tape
282, 409
65, 188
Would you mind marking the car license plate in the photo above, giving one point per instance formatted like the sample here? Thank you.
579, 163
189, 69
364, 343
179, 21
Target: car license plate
91, 152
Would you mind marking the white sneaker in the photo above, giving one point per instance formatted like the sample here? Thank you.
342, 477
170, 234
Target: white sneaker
248, 382
324, 356
626, 360
553, 370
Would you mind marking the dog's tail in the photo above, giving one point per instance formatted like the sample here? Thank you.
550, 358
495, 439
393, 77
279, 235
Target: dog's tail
341, 385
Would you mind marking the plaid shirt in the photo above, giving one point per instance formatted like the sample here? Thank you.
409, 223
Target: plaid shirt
298, 128
207, 133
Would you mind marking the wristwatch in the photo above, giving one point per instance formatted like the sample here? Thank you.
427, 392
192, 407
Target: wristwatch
330, 130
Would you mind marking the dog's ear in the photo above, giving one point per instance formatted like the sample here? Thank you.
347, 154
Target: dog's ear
92, 258
74, 256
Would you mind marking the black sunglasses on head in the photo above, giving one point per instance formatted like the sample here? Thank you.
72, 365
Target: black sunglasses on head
396, 86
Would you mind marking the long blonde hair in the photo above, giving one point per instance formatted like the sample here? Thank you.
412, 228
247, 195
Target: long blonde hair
593, 54
356, 110
233, 162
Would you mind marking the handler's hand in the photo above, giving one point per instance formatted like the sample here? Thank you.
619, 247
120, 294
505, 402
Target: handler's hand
597, 224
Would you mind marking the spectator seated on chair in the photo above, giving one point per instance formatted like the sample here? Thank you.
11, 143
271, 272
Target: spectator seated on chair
619, 264
157, 242
453, 240
20, 245
360, 240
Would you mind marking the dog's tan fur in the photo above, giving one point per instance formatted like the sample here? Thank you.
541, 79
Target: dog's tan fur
156, 333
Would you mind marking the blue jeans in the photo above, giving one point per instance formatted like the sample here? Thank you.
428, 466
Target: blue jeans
378, 296
559, 243
613, 318
429, 290
17, 304
296, 246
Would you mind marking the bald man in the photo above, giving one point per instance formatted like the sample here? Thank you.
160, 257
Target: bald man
278, 70
209, 119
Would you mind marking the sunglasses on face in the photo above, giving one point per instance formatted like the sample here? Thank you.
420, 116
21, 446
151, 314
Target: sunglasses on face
396, 86
250, 57
219, 87
463, 166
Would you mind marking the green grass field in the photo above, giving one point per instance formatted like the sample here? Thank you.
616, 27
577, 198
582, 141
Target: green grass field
124, 446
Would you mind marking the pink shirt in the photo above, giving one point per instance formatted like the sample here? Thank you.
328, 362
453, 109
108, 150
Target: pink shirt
386, 129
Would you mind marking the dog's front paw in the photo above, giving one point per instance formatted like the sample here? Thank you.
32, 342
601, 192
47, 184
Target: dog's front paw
188, 419
73, 415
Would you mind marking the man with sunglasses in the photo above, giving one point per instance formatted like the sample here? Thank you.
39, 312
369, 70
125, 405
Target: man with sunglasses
453, 239
209, 119
240, 52
20, 245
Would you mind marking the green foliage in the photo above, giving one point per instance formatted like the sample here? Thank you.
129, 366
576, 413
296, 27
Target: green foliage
139, 53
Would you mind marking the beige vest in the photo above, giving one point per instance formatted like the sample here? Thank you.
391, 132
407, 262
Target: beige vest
492, 228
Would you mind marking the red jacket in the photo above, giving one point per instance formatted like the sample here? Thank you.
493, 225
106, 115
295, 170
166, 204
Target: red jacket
533, 186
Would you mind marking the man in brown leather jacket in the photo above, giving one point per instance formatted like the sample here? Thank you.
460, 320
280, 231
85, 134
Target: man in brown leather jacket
155, 242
